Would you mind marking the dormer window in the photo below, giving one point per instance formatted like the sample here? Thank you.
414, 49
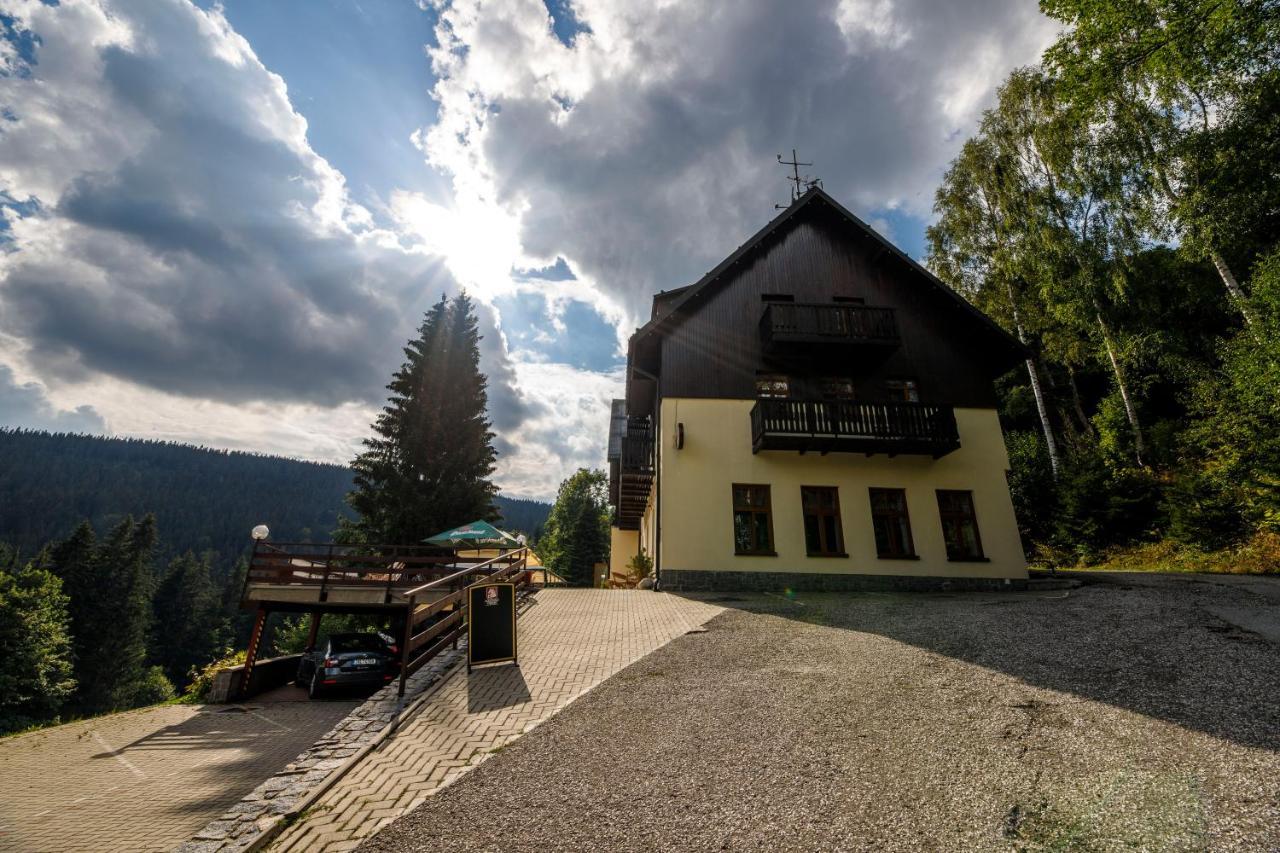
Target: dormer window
773, 386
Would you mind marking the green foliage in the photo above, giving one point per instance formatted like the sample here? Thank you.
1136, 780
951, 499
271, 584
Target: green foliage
577, 532
1229, 482
1100, 506
1031, 486
204, 500
427, 468
290, 637
202, 678
640, 566
1103, 213
110, 583
187, 626
35, 668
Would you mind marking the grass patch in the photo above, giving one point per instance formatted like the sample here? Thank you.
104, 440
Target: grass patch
1259, 555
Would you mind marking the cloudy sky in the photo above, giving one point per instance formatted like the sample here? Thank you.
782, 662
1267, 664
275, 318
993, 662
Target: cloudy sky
221, 221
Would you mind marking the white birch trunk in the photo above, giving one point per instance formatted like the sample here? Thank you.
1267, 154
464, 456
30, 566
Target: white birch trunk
1139, 446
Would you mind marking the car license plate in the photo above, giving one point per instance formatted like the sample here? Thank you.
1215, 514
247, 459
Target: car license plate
366, 662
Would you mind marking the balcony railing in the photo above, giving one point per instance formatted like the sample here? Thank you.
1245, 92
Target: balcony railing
633, 479
817, 323
849, 426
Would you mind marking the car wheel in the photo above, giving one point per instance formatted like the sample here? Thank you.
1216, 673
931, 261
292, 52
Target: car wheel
314, 691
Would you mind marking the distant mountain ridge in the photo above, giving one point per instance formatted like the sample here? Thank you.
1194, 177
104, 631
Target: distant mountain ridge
203, 499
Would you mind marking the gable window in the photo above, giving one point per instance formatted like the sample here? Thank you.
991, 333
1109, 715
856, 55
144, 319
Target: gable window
822, 534
903, 390
773, 385
752, 520
777, 297
891, 525
836, 388
959, 525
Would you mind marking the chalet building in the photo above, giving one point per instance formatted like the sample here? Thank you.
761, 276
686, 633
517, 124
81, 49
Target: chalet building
817, 412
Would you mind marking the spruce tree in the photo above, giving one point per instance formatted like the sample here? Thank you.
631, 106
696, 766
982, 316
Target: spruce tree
186, 622
110, 585
35, 669
427, 467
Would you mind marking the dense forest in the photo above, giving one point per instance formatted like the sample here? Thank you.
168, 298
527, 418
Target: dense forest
204, 500
1118, 211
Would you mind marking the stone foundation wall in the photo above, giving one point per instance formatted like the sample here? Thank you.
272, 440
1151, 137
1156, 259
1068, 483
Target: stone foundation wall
694, 581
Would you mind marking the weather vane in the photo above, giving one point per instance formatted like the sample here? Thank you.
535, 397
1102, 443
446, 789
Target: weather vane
800, 184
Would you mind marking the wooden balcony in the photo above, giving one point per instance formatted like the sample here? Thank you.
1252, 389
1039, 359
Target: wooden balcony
853, 427
789, 324
632, 478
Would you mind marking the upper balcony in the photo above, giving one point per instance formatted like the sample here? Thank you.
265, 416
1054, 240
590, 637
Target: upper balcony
853, 427
808, 323
631, 473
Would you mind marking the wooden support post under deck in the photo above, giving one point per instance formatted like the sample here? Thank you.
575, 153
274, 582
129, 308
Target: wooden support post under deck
314, 632
251, 654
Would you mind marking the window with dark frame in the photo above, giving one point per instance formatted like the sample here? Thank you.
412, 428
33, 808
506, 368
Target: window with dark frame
822, 534
849, 300
959, 525
777, 297
773, 386
752, 520
891, 524
904, 390
836, 388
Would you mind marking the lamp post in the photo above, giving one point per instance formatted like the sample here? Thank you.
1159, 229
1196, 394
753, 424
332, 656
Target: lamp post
259, 534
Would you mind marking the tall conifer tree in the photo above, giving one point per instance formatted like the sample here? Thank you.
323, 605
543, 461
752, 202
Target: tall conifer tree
186, 621
427, 467
110, 586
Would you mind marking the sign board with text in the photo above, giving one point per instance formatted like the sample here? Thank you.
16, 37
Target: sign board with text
491, 623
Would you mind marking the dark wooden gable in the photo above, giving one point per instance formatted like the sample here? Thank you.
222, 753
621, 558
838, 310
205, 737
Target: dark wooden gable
708, 344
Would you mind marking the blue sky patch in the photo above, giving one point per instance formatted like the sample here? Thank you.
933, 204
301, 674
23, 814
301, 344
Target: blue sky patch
588, 341
359, 75
564, 21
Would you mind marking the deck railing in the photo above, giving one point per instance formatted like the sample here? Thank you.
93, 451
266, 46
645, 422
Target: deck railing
324, 565
420, 646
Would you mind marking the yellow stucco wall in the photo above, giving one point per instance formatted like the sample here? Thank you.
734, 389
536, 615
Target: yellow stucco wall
696, 502
623, 545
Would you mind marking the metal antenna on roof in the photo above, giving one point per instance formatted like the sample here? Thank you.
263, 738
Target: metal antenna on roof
800, 185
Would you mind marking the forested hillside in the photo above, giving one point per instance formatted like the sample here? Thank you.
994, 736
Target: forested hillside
203, 499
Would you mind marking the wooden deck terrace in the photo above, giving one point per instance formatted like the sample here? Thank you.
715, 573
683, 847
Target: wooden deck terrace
422, 586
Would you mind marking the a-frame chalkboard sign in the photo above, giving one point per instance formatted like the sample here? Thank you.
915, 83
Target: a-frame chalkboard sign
491, 623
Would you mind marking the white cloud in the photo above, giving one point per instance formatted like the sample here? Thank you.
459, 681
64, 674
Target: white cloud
194, 270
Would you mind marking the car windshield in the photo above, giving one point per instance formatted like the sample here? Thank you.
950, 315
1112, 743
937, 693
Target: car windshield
357, 643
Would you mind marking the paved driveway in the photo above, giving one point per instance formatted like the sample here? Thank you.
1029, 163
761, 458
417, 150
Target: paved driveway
570, 640
147, 779
1124, 715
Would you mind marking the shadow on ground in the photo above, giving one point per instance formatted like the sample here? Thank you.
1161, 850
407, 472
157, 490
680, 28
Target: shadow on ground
1147, 644
494, 688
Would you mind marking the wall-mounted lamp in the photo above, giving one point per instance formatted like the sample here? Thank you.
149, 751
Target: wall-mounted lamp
680, 436
260, 532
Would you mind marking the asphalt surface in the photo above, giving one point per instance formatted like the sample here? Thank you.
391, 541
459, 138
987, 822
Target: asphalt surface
1124, 715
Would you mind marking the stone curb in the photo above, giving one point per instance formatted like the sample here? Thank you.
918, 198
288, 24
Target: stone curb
264, 812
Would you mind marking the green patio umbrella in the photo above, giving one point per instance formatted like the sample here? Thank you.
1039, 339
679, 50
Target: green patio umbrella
477, 535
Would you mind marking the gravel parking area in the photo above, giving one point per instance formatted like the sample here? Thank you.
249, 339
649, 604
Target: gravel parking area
1127, 714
